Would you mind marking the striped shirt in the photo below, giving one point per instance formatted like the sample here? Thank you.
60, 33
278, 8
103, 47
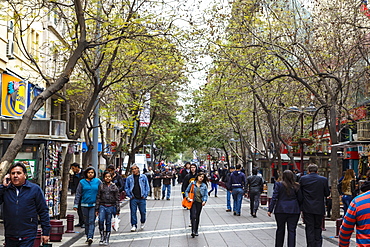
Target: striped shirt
357, 214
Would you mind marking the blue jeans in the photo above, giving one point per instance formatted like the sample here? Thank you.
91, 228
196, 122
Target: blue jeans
228, 199
134, 204
89, 217
346, 199
238, 198
214, 187
105, 214
168, 187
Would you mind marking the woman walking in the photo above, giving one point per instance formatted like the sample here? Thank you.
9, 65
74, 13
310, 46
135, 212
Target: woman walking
87, 191
200, 188
348, 189
107, 205
285, 204
215, 179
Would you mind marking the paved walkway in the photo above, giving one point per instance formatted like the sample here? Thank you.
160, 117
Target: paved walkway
167, 225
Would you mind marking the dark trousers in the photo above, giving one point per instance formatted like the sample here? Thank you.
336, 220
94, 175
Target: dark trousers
195, 211
313, 229
254, 201
291, 220
12, 242
80, 215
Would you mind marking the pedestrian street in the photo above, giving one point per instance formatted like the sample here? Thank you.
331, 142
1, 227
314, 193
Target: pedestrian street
168, 225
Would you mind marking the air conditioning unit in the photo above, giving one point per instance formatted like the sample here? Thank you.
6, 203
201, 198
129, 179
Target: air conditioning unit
10, 49
11, 26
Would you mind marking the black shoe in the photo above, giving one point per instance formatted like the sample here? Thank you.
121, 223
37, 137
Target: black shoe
192, 234
254, 216
234, 213
237, 214
215, 195
78, 225
168, 199
228, 210
162, 197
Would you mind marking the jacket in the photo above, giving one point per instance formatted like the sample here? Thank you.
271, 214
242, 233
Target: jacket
284, 203
157, 180
87, 192
226, 180
203, 190
315, 189
167, 176
118, 181
144, 186
108, 196
237, 180
75, 180
255, 184
22, 213
187, 180
215, 179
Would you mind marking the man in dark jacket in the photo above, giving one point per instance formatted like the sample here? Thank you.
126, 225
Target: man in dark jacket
24, 206
166, 178
237, 184
190, 177
314, 190
255, 188
75, 178
157, 184
228, 189
116, 178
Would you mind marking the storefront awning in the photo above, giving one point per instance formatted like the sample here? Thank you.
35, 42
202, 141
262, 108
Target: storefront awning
350, 144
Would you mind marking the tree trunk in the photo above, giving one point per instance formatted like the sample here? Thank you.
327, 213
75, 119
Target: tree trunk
65, 181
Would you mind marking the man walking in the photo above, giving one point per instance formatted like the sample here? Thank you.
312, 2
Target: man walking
167, 178
237, 184
75, 178
255, 188
314, 189
228, 189
357, 215
137, 189
24, 206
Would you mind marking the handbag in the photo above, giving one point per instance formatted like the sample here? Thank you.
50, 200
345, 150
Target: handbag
115, 223
185, 202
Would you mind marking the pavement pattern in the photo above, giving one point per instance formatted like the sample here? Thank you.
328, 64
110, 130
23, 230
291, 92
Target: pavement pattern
168, 225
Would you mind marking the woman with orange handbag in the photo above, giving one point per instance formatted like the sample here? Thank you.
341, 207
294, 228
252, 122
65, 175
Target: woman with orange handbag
200, 188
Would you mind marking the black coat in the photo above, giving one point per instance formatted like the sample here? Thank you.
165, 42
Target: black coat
315, 189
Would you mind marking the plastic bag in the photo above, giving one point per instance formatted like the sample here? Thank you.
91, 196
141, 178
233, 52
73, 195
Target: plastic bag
115, 223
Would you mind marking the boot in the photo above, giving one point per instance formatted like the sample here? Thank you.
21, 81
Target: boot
102, 238
107, 235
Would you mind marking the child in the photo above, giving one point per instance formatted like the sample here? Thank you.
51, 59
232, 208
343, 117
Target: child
107, 205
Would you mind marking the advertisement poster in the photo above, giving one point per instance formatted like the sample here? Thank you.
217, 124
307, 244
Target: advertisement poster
30, 166
13, 96
34, 91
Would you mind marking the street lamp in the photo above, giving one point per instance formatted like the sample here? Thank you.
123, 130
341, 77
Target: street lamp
311, 108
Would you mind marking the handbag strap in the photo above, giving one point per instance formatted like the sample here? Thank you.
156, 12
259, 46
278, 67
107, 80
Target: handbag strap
192, 188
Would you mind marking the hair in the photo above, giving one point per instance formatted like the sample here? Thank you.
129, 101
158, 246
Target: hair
193, 165
349, 175
89, 169
205, 178
105, 173
255, 171
238, 166
312, 168
289, 182
18, 164
75, 165
110, 167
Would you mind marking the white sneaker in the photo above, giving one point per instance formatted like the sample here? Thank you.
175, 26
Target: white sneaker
190, 225
133, 229
142, 226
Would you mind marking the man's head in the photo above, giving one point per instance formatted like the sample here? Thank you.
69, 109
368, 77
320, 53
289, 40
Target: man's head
255, 171
110, 169
135, 169
75, 167
232, 168
312, 168
238, 167
157, 171
18, 174
193, 168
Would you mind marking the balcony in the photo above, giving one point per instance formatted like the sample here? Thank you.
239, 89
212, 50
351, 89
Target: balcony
43, 128
363, 131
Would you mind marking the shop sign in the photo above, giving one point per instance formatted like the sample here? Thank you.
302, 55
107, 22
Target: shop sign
13, 96
33, 92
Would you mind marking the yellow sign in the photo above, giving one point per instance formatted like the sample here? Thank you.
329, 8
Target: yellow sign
13, 96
